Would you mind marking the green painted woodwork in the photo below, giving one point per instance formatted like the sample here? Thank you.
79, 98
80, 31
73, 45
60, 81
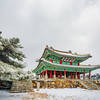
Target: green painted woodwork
57, 60
49, 52
47, 66
68, 63
75, 64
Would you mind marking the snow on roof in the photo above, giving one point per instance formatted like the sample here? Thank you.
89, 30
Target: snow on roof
83, 66
68, 53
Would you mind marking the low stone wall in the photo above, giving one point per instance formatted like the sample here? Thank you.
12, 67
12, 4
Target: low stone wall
21, 86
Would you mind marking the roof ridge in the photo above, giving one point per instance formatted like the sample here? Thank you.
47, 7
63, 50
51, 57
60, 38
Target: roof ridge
54, 50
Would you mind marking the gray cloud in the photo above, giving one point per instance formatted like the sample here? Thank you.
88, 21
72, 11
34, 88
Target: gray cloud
63, 24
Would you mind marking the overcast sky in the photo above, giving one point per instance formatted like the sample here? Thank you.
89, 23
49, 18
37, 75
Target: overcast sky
63, 24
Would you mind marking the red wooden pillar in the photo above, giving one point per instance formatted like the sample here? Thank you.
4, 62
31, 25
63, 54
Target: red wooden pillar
54, 72
78, 64
71, 63
89, 75
60, 61
40, 74
76, 75
46, 71
64, 72
46, 74
51, 60
51, 74
83, 75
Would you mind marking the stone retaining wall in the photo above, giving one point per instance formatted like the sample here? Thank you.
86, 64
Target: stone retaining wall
58, 84
87, 84
21, 86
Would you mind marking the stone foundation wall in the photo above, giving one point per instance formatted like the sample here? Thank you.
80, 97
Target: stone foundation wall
21, 86
58, 84
97, 82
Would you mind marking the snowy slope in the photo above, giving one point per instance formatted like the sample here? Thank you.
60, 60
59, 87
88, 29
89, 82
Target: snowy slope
54, 94
72, 94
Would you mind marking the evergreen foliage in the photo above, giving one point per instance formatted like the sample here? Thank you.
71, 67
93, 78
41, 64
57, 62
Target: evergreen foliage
9, 51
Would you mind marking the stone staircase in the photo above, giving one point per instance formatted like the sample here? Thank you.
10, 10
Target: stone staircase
88, 84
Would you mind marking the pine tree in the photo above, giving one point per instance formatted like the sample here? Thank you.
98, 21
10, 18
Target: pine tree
9, 51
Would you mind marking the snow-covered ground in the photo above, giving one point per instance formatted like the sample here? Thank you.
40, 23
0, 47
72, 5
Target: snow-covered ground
72, 94
6, 95
55, 94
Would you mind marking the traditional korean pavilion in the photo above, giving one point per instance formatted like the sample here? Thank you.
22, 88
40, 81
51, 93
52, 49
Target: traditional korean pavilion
60, 64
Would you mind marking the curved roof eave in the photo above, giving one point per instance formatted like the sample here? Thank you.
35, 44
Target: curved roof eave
62, 53
44, 65
71, 66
